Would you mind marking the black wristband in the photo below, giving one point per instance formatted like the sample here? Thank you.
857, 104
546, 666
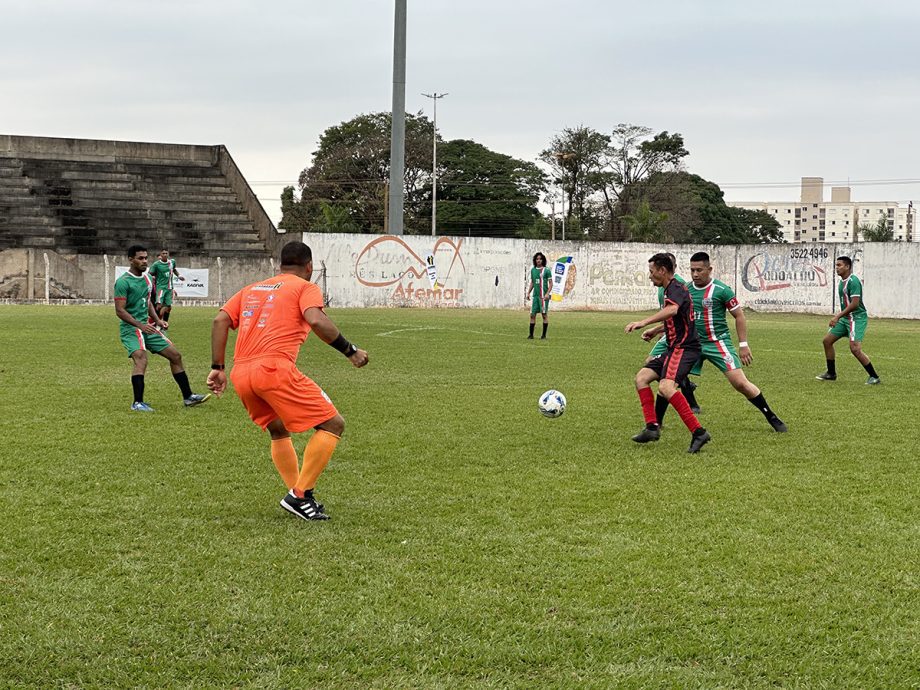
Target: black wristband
217, 367
343, 346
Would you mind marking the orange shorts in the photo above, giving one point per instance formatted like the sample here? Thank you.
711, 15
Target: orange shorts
274, 388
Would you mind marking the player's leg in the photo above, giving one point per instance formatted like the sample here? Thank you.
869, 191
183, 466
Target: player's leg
284, 457
133, 341
545, 314
302, 405
834, 334
167, 306
163, 346
740, 383
676, 367
857, 331
139, 369
688, 388
644, 379
661, 403
534, 309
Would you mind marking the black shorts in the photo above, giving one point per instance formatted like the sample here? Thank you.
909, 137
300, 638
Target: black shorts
675, 364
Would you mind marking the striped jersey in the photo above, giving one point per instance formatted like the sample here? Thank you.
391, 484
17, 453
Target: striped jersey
679, 328
847, 290
541, 277
162, 273
710, 303
135, 290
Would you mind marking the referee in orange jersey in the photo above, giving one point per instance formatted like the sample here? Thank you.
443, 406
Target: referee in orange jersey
274, 317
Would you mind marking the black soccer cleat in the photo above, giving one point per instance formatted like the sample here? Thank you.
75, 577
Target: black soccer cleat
826, 376
647, 435
700, 438
778, 425
305, 508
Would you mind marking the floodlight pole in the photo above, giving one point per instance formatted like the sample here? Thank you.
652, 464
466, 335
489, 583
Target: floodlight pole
398, 131
434, 160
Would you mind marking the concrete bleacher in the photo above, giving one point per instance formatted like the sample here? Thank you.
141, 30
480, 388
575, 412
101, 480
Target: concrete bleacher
80, 196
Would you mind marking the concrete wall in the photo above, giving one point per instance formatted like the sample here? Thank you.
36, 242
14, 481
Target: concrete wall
83, 276
388, 271
84, 149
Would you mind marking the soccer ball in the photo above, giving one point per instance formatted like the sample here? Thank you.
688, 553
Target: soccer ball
552, 404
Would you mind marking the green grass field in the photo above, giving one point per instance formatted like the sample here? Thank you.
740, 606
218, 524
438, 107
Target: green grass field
473, 542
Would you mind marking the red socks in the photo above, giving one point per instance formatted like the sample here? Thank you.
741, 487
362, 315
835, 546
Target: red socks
679, 402
648, 405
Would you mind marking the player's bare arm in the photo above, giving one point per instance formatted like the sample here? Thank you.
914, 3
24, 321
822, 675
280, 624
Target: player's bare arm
744, 350
220, 328
669, 311
329, 333
650, 333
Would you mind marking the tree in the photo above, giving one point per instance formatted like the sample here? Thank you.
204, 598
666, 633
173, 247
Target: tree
350, 169
294, 215
696, 213
880, 232
576, 159
482, 192
644, 224
636, 156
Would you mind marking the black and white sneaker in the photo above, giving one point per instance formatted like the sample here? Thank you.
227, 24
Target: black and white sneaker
306, 508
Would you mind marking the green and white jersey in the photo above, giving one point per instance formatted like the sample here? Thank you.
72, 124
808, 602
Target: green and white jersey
661, 291
709, 306
135, 290
541, 278
162, 273
847, 290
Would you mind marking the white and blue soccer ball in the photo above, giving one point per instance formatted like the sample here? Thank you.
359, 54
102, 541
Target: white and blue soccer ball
552, 404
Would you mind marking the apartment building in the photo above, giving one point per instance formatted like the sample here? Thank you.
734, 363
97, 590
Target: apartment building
812, 219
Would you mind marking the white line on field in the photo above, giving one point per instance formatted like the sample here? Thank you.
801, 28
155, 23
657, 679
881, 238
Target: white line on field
417, 328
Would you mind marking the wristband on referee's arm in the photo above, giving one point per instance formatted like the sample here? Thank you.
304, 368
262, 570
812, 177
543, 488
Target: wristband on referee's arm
743, 343
343, 346
217, 367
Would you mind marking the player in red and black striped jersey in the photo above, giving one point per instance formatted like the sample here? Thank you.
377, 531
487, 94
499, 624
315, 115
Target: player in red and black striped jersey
671, 368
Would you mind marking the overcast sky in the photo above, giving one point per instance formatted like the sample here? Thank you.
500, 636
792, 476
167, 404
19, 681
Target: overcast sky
763, 92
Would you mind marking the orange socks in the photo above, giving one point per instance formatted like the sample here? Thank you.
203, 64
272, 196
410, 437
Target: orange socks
285, 458
315, 458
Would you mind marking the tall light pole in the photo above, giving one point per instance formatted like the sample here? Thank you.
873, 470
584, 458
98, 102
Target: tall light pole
434, 160
398, 131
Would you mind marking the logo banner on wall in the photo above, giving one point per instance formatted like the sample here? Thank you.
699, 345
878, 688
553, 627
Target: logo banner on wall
560, 273
194, 285
432, 271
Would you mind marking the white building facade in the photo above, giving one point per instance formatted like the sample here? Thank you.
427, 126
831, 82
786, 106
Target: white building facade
811, 219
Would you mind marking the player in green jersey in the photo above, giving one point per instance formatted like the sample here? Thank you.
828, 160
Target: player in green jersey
711, 300
851, 321
541, 279
162, 271
141, 330
687, 387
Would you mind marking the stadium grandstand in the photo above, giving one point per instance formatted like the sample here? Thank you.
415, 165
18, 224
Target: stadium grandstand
84, 197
